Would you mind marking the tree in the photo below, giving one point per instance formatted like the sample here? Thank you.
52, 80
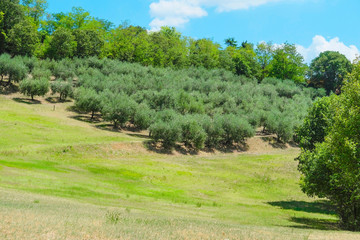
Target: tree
204, 52
328, 70
231, 42
22, 39
16, 70
64, 88
35, 9
37, 87
89, 43
264, 52
331, 169
87, 100
117, 108
167, 132
193, 135
62, 44
287, 63
316, 124
12, 14
236, 129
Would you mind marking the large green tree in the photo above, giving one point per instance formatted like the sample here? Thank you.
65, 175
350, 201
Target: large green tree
332, 169
287, 63
12, 13
23, 38
62, 44
328, 70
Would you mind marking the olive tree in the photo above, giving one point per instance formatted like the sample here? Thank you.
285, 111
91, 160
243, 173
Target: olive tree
34, 87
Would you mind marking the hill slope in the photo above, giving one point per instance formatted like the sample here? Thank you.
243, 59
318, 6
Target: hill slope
61, 178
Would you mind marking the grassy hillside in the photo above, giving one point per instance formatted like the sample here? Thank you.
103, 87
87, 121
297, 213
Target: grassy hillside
61, 178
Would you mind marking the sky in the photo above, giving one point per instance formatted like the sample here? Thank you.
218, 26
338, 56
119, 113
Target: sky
313, 26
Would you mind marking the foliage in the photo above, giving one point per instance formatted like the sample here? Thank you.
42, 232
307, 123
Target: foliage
287, 63
62, 44
22, 39
331, 169
88, 100
316, 124
328, 70
117, 108
193, 135
64, 88
34, 87
167, 132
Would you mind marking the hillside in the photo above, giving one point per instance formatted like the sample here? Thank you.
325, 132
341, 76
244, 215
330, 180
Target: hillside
106, 185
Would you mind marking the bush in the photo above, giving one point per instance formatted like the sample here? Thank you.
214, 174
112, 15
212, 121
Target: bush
37, 87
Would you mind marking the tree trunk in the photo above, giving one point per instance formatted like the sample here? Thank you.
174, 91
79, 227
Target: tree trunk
32, 97
92, 115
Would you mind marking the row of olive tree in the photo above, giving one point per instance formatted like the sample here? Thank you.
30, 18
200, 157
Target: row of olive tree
30, 31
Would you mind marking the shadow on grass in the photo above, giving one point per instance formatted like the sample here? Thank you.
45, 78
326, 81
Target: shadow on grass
315, 223
88, 119
275, 143
157, 147
322, 206
26, 101
57, 100
8, 89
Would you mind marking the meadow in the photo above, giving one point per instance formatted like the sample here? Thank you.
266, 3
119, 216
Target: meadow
62, 178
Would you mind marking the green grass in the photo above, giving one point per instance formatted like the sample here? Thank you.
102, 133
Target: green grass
71, 177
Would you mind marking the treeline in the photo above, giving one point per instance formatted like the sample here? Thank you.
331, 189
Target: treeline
196, 107
28, 30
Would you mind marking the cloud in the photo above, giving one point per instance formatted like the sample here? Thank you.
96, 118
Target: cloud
320, 44
176, 13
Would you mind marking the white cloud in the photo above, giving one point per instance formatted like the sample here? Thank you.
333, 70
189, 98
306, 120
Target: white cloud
174, 13
320, 44
178, 12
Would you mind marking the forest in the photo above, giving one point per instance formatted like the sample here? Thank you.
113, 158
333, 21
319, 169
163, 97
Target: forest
196, 93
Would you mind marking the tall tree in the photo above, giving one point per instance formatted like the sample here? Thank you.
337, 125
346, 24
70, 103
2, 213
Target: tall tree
23, 38
12, 14
62, 44
331, 169
35, 9
287, 63
328, 70
264, 52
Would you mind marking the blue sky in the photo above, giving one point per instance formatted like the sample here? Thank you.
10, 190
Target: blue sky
313, 25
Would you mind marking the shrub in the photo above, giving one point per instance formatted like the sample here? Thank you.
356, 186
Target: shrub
37, 87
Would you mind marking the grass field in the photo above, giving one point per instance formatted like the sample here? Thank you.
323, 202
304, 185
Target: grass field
62, 178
